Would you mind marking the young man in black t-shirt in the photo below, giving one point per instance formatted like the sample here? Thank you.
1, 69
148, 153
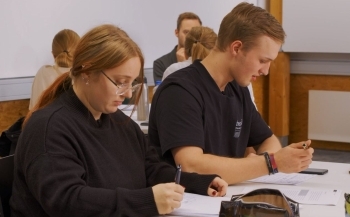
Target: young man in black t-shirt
202, 116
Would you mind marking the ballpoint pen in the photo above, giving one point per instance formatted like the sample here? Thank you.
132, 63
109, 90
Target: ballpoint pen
178, 174
305, 146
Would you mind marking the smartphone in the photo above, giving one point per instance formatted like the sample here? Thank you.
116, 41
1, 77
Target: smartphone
314, 171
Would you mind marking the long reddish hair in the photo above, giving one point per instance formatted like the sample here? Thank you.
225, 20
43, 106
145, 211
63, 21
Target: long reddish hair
103, 47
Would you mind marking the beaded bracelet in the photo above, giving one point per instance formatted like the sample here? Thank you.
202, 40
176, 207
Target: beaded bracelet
273, 164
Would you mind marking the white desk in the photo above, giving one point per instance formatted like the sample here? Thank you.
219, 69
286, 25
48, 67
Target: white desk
338, 177
134, 117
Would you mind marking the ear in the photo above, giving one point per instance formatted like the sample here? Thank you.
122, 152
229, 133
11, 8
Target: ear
85, 75
177, 33
235, 47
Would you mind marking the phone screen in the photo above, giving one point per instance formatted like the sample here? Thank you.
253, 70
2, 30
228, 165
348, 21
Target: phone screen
314, 171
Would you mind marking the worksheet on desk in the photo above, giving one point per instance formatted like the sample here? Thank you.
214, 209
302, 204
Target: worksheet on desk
199, 205
311, 196
283, 178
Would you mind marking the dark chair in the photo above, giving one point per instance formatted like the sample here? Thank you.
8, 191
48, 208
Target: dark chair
1, 211
6, 179
9, 138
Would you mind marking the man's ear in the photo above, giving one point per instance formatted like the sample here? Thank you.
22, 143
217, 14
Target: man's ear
235, 47
177, 33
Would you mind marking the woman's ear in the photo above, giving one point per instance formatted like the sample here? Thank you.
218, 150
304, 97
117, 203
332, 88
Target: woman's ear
85, 75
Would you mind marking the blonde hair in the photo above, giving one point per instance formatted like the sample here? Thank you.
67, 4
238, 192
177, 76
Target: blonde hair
63, 46
199, 41
246, 23
103, 47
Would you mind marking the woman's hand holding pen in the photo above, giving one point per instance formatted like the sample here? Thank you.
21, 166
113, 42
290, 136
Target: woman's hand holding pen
295, 157
217, 187
167, 197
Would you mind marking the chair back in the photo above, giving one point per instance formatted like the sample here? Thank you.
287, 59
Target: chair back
6, 179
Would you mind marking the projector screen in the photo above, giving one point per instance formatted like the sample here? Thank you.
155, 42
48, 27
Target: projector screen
28, 27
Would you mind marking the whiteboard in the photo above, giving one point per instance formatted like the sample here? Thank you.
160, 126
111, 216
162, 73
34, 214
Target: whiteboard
28, 27
329, 115
318, 26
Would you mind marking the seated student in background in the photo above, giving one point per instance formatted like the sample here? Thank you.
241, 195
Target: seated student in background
199, 41
79, 155
202, 116
63, 45
185, 22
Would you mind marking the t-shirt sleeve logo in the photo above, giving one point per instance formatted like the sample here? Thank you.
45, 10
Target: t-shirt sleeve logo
238, 128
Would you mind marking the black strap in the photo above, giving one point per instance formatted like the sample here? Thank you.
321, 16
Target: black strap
1, 210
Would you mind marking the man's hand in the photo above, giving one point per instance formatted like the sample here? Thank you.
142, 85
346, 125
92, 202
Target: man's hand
180, 54
294, 158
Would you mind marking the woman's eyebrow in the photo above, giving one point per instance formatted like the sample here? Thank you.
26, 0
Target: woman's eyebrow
123, 76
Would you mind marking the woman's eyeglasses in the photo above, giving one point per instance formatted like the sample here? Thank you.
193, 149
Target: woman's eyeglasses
123, 88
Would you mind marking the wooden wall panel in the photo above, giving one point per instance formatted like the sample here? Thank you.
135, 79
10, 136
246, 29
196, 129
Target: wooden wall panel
279, 95
10, 111
299, 101
150, 93
261, 95
279, 84
275, 8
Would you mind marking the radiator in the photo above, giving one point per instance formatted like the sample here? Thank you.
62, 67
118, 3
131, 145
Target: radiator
329, 115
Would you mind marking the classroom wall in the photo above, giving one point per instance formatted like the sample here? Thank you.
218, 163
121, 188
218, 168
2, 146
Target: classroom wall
301, 81
27, 30
10, 111
311, 24
300, 84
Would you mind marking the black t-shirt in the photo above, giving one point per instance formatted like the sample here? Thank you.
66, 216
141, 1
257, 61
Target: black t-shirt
189, 109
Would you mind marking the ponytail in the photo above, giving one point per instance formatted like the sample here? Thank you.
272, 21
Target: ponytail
64, 59
198, 51
199, 41
61, 84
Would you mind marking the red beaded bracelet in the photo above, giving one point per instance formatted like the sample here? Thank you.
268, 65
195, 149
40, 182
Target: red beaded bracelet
273, 164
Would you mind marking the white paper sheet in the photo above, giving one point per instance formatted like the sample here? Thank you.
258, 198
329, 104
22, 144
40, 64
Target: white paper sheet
198, 205
311, 196
283, 178
126, 107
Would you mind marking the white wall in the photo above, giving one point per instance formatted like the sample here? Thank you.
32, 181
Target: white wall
27, 27
318, 26
329, 115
